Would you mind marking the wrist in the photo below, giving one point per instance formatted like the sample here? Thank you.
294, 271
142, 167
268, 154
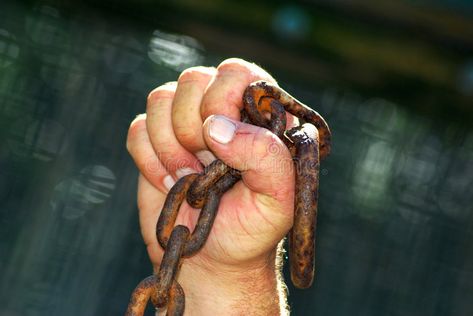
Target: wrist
253, 288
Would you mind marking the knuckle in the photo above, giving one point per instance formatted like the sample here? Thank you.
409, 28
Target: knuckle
261, 140
271, 154
274, 147
268, 148
165, 91
235, 65
196, 74
249, 71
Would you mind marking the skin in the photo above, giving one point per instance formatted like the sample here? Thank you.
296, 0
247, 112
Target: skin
236, 272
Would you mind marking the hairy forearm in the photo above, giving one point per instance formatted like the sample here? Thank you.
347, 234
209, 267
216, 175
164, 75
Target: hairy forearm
257, 290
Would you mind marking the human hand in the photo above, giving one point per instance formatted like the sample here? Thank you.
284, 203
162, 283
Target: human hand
187, 124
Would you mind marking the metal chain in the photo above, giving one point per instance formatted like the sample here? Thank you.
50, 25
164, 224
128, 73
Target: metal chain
308, 145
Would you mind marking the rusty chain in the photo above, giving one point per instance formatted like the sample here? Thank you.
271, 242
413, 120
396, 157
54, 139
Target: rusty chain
308, 145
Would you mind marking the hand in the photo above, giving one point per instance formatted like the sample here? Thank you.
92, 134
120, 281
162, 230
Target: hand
187, 124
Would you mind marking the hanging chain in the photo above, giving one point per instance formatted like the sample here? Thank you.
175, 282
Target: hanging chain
308, 145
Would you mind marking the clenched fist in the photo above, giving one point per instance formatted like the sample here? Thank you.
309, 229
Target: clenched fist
188, 124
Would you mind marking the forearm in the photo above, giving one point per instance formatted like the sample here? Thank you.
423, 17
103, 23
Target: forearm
256, 290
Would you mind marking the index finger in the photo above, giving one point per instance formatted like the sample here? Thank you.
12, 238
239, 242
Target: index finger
224, 94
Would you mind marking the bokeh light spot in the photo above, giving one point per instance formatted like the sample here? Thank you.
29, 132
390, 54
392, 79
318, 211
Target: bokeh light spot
371, 180
174, 51
74, 197
291, 23
99, 183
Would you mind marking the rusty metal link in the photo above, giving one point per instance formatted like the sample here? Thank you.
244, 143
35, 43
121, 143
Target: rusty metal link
307, 147
207, 215
170, 264
302, 235
265, 105
198, 191
177, 300
171, 207
257, 99
146, 290
140, 297
209, 212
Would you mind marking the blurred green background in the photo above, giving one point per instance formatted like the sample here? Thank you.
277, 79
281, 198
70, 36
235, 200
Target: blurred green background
394, 79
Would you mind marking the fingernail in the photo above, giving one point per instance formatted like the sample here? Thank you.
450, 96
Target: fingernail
221, 129
168, 182
205, 157
184, 172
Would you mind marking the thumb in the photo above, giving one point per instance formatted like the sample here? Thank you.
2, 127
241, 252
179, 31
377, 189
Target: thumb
263, 159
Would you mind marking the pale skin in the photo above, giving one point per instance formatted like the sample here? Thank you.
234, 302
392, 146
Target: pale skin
187, 124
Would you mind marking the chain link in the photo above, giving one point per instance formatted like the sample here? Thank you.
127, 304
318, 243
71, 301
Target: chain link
307, 146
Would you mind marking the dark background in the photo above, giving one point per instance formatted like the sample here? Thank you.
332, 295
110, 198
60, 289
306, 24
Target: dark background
394, 79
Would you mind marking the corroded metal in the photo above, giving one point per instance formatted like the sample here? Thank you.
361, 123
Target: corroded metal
265, 105
208, 213
140, 296
177, 300
302, 237
258, 96
171, 207
198, 191
170, 264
